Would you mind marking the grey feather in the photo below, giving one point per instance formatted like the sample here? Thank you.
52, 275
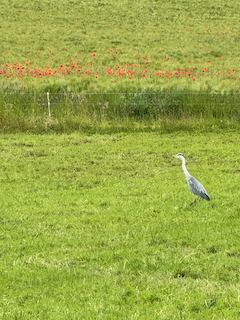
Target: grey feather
197, 188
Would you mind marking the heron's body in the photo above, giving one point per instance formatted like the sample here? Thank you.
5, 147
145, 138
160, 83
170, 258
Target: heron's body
197, 188
194, 185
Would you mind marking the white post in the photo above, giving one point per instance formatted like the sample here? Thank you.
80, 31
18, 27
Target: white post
48, 100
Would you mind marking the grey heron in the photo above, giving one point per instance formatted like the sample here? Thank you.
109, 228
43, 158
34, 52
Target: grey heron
194, 185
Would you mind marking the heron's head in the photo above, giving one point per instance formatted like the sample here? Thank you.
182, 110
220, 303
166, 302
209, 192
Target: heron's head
179, 156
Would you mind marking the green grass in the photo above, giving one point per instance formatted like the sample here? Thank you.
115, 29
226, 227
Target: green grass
100, 227
143, 60
114, 112
152, 36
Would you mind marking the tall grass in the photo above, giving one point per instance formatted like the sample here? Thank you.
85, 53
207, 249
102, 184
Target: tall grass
105, 61
81, 111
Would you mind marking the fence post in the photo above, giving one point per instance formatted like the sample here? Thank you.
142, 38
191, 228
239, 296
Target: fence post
48, 100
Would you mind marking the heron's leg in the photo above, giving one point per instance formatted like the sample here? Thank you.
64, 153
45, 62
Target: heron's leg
197, 199
194, 202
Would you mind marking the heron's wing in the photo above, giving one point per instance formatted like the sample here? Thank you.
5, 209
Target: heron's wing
197, 188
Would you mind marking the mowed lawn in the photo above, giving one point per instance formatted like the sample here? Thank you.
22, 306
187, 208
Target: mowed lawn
100, 227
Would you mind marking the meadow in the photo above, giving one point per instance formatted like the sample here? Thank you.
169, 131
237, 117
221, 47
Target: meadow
95, 215
103, 60
100, 227
104, 45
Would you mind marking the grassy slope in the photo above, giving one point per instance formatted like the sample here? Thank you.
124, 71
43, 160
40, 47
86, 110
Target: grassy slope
146, 26
175, 29
101, 227
140, 32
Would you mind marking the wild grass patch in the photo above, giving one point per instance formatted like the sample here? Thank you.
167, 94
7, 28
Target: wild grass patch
107, 61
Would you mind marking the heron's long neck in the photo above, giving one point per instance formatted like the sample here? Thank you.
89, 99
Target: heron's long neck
187, 174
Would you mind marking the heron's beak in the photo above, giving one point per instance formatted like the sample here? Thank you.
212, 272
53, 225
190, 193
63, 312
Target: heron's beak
174, 156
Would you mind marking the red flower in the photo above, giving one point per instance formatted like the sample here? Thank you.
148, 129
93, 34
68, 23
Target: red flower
144, 75
193, 79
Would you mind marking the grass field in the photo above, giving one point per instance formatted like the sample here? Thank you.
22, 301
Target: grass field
100, 227
95, 222
105, 60
106, 46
